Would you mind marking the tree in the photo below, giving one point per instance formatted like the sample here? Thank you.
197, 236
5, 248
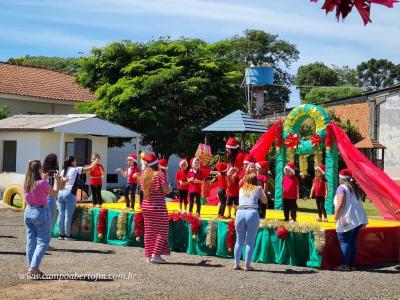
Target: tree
258, 47
350, 129
378, 73
168, 90
63, 64
315, 74
323, 94
4, 112
347, 76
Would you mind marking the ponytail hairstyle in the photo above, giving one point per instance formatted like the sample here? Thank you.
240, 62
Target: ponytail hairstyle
147, 179
32, 175
352, 186
50, 163
250, 184
68, 163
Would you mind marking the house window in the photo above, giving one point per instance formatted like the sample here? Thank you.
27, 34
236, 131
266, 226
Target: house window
69, 149
9, 156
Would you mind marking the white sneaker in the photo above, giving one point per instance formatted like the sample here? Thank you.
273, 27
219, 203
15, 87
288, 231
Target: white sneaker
68, 238
61, 238
158, 260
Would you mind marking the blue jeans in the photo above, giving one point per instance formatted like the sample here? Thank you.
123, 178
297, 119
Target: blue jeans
348, 245
67, 204
53, 211
37, 223
247, 223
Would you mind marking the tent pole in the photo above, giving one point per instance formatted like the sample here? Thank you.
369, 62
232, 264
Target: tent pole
243, 142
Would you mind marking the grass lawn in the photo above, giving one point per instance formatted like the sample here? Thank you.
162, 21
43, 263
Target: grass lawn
309, 205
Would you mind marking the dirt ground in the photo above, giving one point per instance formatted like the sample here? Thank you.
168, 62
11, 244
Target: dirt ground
184, 276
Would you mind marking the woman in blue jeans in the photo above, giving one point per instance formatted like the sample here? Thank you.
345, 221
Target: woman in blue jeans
247, 219
37, 216
350, 217
67, 197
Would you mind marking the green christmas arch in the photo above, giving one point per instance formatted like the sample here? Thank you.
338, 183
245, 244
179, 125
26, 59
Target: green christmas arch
292, 125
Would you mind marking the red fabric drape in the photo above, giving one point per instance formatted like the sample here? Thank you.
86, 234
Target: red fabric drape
375, 246
377, 185
261, 148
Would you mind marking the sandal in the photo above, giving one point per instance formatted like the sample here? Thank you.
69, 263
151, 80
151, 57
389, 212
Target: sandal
237, 268
342, 268
318, 220
249, 269
326, 220
158, 260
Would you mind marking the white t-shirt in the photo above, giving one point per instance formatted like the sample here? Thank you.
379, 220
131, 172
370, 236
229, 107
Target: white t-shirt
252, 199
352, 214
71, 176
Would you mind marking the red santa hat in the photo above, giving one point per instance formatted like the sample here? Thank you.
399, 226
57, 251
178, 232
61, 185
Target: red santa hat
150, 159
321, 168
291, 166
262, 165
345, 174
192, 161
163, 164
182, 161
231, 143
133, 156
222, 167
249, 159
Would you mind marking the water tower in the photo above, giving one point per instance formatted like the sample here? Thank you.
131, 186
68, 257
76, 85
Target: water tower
256, 81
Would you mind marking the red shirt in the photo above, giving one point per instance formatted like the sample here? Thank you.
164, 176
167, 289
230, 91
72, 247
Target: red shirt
194, 187
95, 175
132, 171
181, 176
319, 187
232, 189
262, 180
290, 187
222, 182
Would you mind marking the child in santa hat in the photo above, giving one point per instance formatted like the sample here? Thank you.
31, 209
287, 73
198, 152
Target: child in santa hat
182, 183
290, 185
262, 179
195, 180
319, 189
222, 168
163, 165
132, 173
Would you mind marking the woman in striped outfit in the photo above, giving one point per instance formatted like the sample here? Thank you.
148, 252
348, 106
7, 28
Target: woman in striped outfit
156, 224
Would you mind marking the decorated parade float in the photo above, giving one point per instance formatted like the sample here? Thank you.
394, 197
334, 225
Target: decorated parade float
303, 243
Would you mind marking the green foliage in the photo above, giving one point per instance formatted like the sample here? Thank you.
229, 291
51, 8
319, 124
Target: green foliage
350, 129
314, 74
324, 94
378, 73
63, 64
168, 90
347, 76
4, 111
261, 48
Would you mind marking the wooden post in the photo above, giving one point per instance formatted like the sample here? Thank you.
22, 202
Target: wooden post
206, 139
383, 159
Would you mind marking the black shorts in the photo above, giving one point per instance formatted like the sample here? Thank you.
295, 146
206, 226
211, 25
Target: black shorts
233, 201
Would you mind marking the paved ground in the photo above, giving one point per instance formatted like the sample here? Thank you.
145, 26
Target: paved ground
185, 276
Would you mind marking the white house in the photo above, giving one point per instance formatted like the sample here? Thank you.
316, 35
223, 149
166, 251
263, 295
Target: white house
28, 137
38, 91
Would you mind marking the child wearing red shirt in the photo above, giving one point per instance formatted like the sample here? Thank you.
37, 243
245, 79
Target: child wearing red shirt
290, 185
319, 189
132, 174
195, 180
222, 185
183, 185
96, 181
262, 180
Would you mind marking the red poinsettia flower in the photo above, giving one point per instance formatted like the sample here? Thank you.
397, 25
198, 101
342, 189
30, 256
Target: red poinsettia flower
315, 140
292, 141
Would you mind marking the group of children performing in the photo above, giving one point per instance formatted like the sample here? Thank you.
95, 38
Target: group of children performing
230, 177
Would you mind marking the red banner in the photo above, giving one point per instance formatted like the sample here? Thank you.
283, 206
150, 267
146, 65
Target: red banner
261, 148
376, 184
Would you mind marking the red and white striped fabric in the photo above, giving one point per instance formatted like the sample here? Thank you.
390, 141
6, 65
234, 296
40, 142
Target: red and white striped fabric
156, 224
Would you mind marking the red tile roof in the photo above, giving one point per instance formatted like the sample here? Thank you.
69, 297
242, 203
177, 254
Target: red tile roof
41, 83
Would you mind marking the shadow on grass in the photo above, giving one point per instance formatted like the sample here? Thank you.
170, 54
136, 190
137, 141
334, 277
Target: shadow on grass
203, 263
7, 237
85, 251
15, 253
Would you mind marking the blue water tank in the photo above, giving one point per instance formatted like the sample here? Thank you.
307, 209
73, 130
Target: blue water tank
259, 75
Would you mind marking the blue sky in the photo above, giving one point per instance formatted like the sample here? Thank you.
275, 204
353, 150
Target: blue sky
68, 27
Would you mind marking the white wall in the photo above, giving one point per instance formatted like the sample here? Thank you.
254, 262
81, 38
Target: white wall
389, 134
31, 107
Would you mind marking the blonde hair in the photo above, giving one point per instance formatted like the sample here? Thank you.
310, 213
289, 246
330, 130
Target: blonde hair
32, 175
250, 184
147, 180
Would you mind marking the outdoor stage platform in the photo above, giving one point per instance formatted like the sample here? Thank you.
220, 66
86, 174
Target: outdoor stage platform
379, 242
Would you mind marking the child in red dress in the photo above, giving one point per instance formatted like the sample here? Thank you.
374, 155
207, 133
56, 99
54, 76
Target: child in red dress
222, 168
183, 185
262, 179
96, 181
132, 174
290, 185
319, 189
